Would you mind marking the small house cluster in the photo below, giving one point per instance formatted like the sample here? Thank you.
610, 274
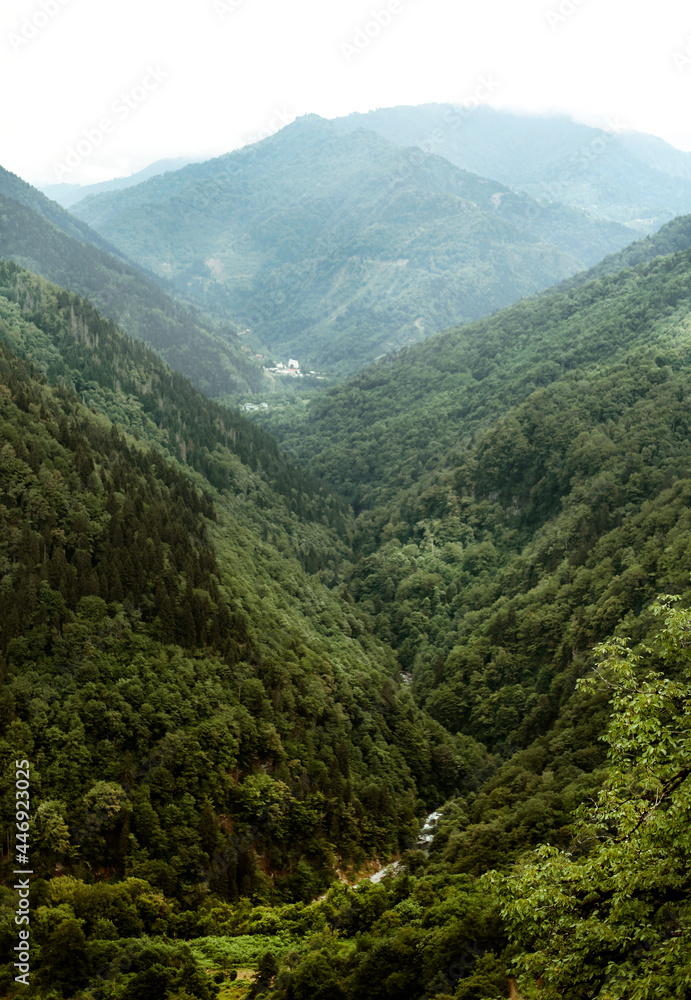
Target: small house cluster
292, 368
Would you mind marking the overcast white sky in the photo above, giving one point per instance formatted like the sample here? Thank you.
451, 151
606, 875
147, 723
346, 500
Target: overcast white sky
226, 71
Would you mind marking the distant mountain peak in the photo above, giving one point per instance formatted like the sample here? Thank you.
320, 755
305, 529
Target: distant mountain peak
306, 226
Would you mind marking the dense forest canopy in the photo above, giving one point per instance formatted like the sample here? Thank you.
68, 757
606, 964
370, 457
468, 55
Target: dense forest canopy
201, 712
506, 476
243, 672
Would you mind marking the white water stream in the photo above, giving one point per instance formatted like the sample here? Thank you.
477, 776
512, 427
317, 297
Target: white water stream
424, 841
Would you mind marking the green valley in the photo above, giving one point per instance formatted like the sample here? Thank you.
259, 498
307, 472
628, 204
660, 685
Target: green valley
244, 662
203, 715
335, 247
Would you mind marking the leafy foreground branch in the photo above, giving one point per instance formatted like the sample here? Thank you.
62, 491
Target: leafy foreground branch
610, 919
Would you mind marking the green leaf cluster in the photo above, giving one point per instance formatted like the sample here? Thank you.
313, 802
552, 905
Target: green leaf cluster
610, 917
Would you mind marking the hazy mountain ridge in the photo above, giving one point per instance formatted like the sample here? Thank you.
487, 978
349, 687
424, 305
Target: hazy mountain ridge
189, 342
14, 187
336, 249
611, 173
69, 194
671, 238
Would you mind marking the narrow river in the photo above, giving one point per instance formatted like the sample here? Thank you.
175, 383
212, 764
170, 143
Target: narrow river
424, 841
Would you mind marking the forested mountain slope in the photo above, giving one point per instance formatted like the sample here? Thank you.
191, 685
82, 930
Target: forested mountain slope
524, 487
12, 186
670, 238
335, 248
213, 730
610, 172
211, 357
384, 429
506, 476
200, 711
